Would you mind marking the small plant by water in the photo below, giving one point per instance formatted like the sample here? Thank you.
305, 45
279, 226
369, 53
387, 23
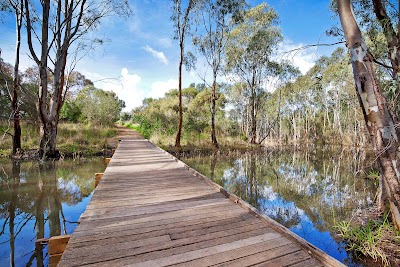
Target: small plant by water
376, 239
373, 174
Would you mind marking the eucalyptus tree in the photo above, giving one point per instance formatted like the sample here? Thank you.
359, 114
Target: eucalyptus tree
380, 124
181, 17
17, 7
379, 20
54, 28
215, 16
251, 45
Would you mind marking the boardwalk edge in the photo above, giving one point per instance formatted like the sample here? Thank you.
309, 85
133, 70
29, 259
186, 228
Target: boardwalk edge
317, 253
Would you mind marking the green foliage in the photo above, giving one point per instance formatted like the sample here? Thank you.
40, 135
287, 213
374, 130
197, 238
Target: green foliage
367, 239
5, 88
143, 126
253, 41
373, 174
70, 112
125, 116
98, 106
159, 117
313, 107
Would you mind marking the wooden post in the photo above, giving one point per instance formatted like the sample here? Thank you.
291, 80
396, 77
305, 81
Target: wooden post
57, 245
107, 160
97, 178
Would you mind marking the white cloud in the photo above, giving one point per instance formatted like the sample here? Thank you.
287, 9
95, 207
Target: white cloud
157, 54
127, 87
131, 91
158, 89
129, 81
130, 88
304, 59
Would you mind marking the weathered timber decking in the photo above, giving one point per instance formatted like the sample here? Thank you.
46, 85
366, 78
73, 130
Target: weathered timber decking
152, 210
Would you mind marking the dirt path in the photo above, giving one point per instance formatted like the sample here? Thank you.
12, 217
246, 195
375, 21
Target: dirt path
123, 133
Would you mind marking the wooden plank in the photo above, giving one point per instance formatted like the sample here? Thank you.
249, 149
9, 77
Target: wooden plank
308, 263
156, 201
151, 209
232, 254
125, 249
54, 259
154, 219
262, 257
286, 260
186, 225
98, 250
104, 237
206, 251
97, 178
127, 258
113, 213
57, 244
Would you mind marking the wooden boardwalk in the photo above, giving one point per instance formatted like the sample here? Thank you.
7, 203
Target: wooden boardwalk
152, 210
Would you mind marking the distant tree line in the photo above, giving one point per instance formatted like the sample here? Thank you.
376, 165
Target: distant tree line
311, 108
83, 102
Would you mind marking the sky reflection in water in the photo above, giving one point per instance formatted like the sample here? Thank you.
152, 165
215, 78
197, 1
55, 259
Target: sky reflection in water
41, 200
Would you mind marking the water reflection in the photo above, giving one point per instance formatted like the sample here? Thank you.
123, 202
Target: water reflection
40, 200
304, 190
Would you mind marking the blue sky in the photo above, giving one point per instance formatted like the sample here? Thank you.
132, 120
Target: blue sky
141, 59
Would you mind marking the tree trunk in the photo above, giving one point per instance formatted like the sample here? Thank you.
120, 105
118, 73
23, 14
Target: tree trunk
294, 127
380, 124
180, 114
253, 130
16, 142
48, 137
213, 99
393, 44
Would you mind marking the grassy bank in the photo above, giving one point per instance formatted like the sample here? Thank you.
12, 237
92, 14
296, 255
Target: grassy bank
72, 139
376, 239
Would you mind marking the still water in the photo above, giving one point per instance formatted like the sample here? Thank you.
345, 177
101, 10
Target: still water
307, 191
40, 200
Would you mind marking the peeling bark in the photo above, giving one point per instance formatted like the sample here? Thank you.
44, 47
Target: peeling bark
379, 123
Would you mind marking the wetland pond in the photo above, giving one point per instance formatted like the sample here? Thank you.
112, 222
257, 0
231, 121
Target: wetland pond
306, 191
40, 200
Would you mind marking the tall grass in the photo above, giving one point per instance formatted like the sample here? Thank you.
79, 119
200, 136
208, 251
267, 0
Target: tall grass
71, 138
85, 138
375, 239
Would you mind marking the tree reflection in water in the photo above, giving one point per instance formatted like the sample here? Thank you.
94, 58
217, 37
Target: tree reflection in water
40, 200
304, 190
